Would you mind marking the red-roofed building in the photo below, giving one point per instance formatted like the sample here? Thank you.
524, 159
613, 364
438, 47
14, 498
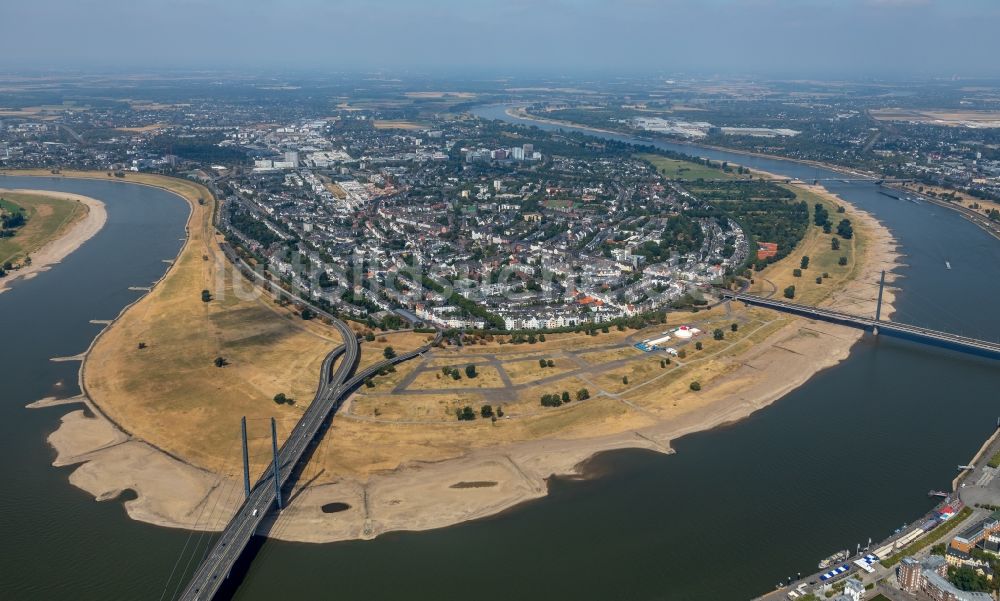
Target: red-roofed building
766, 250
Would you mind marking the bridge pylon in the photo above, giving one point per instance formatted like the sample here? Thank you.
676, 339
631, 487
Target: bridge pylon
274, 450
246, 459
878, 307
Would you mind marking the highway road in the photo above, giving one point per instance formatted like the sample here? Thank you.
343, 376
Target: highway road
221, 558
334, 387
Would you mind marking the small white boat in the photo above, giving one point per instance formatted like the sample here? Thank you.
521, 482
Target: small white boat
947, 265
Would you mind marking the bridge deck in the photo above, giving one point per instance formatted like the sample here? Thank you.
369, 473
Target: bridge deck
333, 388
966, 344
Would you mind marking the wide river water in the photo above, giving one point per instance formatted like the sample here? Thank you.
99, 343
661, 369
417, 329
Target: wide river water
849, 455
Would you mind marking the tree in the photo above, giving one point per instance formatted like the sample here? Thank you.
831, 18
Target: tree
734, 327
465, 414
696, 386
844, 229
820, 215
682, 354
370, 336
486, 411
718, 334
551, 400
698, 346
280, 398
206, 296
790, 292
834, 244
565, 396
797, 273
307, 314
583, 394
220, 362
541, 338
542, 363
625, 380
142, 345
967, 579
842, 261
819, 280
499, 411
550, 363
663, 363
389, 353
805, 262
470, 372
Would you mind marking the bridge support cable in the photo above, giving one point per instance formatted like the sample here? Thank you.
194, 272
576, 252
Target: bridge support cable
878, 306
198, 531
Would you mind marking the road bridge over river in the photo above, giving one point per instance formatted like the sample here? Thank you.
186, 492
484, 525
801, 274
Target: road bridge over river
793, 180
965, 344
334, 387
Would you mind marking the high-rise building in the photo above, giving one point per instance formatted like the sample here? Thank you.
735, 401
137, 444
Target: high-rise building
909, 574
517, 153
292, 157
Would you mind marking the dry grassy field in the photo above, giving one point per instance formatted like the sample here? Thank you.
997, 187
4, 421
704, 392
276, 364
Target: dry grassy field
171, 393
398, 124
822, 258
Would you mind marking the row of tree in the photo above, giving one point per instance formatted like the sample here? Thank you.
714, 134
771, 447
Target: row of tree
486, 411
556, 399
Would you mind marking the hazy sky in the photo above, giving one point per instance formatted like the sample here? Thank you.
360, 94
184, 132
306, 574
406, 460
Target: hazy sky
775, 37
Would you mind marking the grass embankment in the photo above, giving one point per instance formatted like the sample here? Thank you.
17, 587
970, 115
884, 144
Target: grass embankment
48, 217
170, 393
929, 539
994, 461
823, 259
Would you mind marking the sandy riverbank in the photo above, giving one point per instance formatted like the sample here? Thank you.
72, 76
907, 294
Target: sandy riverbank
56, 250
420, 495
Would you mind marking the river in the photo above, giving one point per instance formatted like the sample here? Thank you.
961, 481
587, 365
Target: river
849, 455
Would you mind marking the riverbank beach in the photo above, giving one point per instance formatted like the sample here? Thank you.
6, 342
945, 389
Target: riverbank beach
59, 240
